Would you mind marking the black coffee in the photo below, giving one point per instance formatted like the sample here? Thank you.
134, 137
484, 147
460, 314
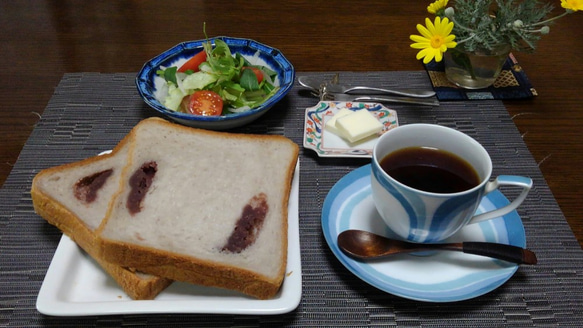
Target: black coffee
430, 169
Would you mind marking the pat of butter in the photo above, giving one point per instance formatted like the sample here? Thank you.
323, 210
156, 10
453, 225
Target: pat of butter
358, 125
331, 123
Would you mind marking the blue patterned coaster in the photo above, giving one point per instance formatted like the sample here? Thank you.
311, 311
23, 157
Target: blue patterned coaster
511, 84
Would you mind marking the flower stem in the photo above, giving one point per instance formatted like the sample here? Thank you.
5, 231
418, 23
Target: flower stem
463, 59
550, 19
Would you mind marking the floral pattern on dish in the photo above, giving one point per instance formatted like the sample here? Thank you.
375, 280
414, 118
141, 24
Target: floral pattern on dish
328, 144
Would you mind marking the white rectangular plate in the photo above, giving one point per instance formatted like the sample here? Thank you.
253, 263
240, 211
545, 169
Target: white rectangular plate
75, 285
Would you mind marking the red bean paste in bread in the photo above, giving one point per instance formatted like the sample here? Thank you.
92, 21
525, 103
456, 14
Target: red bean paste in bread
139, 183
248, 225
86, 188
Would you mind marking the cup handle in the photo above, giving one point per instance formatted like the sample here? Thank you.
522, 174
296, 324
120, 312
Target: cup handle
513, 180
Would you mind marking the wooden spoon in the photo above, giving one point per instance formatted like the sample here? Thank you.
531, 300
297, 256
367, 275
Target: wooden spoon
366, 245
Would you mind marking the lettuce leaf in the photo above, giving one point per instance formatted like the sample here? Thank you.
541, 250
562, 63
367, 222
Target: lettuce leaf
174, 98
198, 80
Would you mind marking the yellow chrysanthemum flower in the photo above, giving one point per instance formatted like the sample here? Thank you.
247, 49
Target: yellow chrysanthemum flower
434, 40
437, 5
573, 5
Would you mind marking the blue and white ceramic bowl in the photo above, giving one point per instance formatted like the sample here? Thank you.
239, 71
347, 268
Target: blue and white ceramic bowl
150, 86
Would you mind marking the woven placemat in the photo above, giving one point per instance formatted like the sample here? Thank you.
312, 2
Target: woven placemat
91, 112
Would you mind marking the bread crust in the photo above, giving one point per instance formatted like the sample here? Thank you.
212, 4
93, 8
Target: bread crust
182, 267
192, 270
57, 214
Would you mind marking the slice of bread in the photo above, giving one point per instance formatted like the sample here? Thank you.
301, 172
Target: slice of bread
204, 207
64, 197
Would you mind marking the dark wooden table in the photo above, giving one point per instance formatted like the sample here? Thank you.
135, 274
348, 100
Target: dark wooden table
42, 40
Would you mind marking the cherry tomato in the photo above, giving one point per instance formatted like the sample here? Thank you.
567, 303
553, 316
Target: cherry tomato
194, 62
257, 72
205, 103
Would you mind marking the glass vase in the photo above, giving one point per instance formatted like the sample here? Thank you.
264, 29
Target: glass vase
477, 69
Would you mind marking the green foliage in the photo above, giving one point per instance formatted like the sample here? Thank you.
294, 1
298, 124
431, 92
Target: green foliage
486, 24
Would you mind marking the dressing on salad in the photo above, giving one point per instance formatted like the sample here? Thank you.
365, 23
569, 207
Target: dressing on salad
241, 85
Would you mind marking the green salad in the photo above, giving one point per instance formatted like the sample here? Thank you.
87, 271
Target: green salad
239, 84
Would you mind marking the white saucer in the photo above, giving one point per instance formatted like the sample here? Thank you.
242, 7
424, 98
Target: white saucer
441, 277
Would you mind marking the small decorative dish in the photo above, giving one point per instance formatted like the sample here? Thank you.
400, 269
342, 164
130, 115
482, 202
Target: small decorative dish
328, 144
151, 86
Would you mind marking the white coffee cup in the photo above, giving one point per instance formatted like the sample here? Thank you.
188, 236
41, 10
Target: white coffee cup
428, 217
